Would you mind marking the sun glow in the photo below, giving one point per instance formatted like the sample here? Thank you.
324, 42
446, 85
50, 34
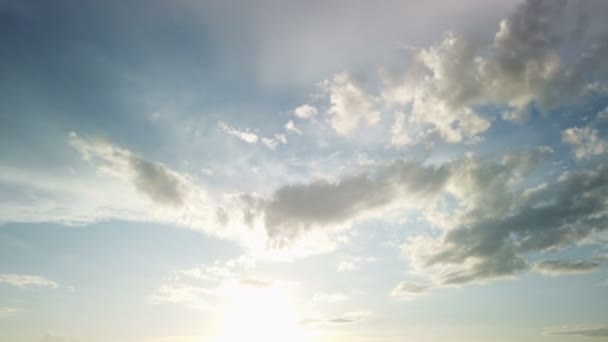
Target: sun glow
260, 314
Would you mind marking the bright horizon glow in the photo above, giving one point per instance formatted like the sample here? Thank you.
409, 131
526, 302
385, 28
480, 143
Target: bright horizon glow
260, 314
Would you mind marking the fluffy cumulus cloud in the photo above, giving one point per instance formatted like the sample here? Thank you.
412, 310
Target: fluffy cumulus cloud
560, 267
585, 142
350, 106
306, 111
27, 281
521, 69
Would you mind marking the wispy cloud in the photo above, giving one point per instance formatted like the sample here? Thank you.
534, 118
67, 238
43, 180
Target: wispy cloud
27, 281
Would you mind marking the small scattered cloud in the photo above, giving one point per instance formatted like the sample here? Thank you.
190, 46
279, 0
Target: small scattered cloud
246, 135
290, 127
581, 331
353, 317
352, 264
27, 281
273, 142
306, 112
409, 290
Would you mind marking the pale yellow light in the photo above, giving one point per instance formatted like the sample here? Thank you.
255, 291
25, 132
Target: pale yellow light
261, 314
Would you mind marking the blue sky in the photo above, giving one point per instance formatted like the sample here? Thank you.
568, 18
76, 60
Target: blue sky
305, 171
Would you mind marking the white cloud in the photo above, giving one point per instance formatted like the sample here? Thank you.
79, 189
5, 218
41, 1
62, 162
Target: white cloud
352, 264
399, 135
350, 107
291, 128
522, 68
585, 142
27, 281
246, 135
179, 293
306, 112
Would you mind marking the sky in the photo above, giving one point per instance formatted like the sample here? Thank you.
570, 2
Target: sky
319, 171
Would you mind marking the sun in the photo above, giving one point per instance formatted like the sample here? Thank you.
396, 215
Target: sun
260, 314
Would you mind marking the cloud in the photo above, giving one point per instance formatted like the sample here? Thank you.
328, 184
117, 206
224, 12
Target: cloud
353, 264
273, 142
291, 128
199, 287
522, 68
305, 112
561, 267
585, 142
330, 298
152, 179
409, 290
191, 296
27, 281
350, 107
353, 317
399, 135
592, 332
330, 206
246, 135
482, 247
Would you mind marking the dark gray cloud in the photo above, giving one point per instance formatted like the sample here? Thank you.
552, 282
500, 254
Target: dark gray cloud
152, 179
156, 181
559, 267
322, 204
546, 218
